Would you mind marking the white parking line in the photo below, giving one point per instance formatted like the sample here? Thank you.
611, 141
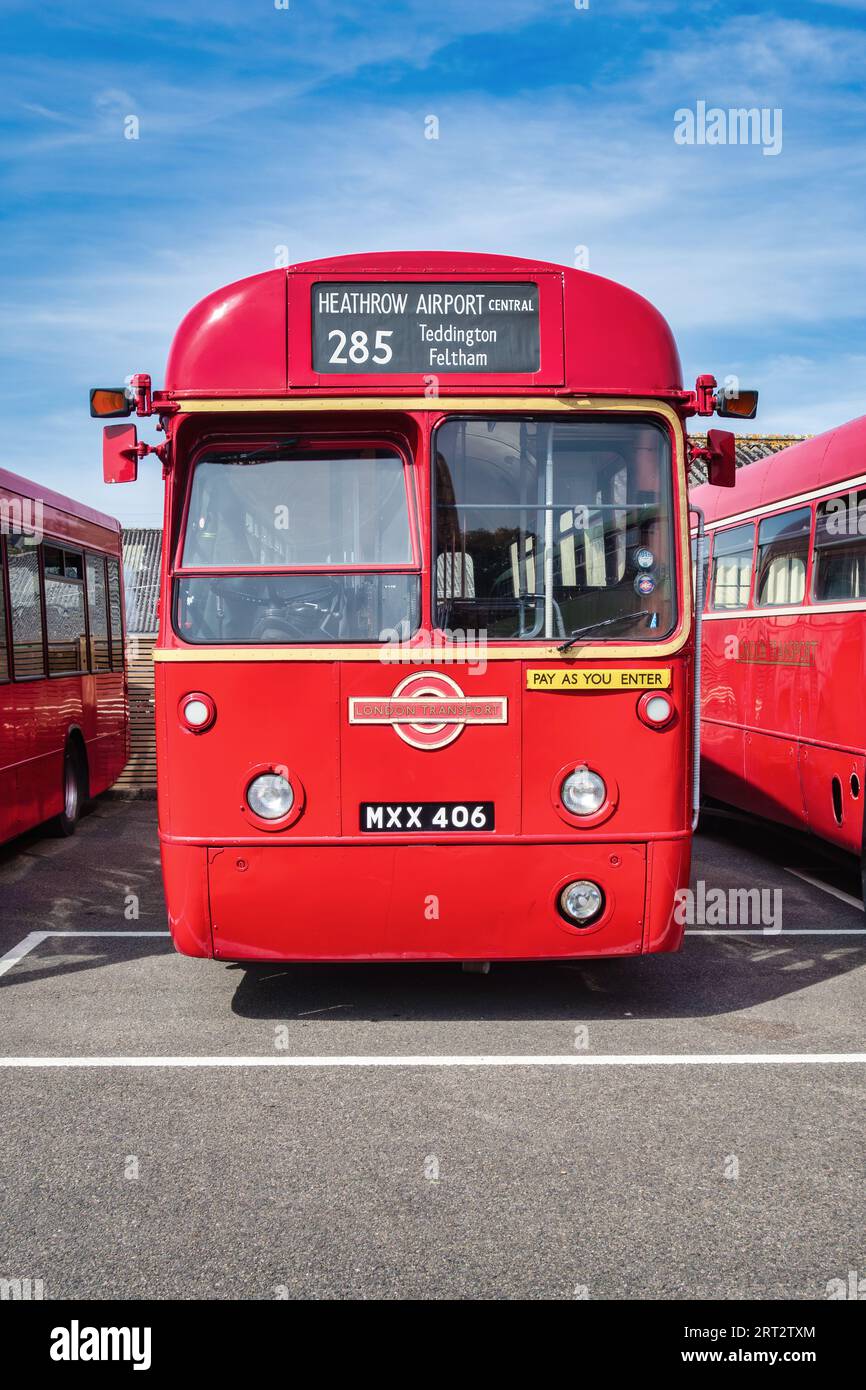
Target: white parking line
705, 1059
18, 952
828, 888
36, 938
774, 931
21, 950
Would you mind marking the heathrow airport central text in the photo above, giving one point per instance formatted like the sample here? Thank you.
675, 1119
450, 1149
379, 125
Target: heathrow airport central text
387, 302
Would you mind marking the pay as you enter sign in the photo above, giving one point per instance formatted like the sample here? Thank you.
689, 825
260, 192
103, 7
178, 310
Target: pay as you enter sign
599, 678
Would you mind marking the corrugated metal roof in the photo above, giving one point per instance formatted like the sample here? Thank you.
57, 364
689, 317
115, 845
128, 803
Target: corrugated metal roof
750, 448
142, 552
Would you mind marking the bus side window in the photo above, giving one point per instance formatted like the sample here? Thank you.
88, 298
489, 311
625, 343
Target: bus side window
114, 608
4, 649
28, 655
64, 610
732, 566
839, 571
705, 566
97, 605
783, 553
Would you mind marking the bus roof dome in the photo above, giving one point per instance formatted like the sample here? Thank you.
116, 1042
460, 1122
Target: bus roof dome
253, 337
821, 461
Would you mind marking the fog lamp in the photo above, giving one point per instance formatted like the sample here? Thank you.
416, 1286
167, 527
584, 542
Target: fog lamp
581, 902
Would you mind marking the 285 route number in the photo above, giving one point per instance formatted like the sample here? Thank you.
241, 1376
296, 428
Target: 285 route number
359, 347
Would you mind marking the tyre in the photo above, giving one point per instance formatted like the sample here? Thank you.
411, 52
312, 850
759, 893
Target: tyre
74, 791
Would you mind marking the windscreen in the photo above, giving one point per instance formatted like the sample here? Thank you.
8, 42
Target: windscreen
551, 529
298, 510
285, 509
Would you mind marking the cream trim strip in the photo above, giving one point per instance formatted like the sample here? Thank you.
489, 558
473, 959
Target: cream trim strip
846, 485
410, 656
246, 404
811, 609
639, 405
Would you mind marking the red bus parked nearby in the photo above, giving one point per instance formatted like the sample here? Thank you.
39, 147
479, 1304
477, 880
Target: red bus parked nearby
783, 647
64, 731
424, 678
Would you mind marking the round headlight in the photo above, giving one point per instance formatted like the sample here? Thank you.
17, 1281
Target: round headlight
270, 796
582, 901
583, 792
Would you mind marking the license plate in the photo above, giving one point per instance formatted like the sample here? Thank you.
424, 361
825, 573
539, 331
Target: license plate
398, 817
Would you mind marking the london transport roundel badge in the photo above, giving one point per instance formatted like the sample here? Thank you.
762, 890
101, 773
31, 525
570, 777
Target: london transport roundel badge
428, 710
644, 584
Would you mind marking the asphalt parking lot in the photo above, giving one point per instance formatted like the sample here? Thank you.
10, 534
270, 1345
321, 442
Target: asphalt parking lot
740, 1179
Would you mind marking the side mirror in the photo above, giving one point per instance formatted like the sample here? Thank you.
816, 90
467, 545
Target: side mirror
120, 453
721, 455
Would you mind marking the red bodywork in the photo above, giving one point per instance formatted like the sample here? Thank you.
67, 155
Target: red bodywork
39, 716
781, 707
317, 888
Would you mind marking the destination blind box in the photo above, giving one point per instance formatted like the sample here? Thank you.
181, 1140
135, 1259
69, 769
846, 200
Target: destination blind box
403, 328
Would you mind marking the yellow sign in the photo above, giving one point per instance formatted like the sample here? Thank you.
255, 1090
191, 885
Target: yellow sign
599, 678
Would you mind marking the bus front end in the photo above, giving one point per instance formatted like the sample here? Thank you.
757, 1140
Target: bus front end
424, 683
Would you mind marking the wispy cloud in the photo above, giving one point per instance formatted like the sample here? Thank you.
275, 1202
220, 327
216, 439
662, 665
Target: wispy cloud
306, 129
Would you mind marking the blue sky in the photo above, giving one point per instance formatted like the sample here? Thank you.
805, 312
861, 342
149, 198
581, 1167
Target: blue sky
304, 127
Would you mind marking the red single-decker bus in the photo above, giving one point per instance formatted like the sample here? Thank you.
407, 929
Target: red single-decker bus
64, 730
425, 672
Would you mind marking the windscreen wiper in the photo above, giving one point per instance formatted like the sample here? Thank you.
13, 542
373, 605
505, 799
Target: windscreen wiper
605, 622
280, 449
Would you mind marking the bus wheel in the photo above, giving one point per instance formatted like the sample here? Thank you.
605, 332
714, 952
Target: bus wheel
74, 790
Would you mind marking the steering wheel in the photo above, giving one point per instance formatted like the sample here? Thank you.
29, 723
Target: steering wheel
317, 610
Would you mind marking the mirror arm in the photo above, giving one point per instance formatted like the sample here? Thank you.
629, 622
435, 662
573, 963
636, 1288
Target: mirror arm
162, 452
140, 385
140, 450
702, 401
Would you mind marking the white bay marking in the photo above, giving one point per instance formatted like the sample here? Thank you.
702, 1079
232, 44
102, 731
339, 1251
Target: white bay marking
705, 1059
827, 888
23, 948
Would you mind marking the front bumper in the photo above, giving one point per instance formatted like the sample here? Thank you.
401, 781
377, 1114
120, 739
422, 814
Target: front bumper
349, 902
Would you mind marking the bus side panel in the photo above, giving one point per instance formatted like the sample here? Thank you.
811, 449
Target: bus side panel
45, 710
107, 748
819, 767
668, 868
650, 767
10, 813
724, 692
267, 713
773, 713
833, 714
36, 718
184, 871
